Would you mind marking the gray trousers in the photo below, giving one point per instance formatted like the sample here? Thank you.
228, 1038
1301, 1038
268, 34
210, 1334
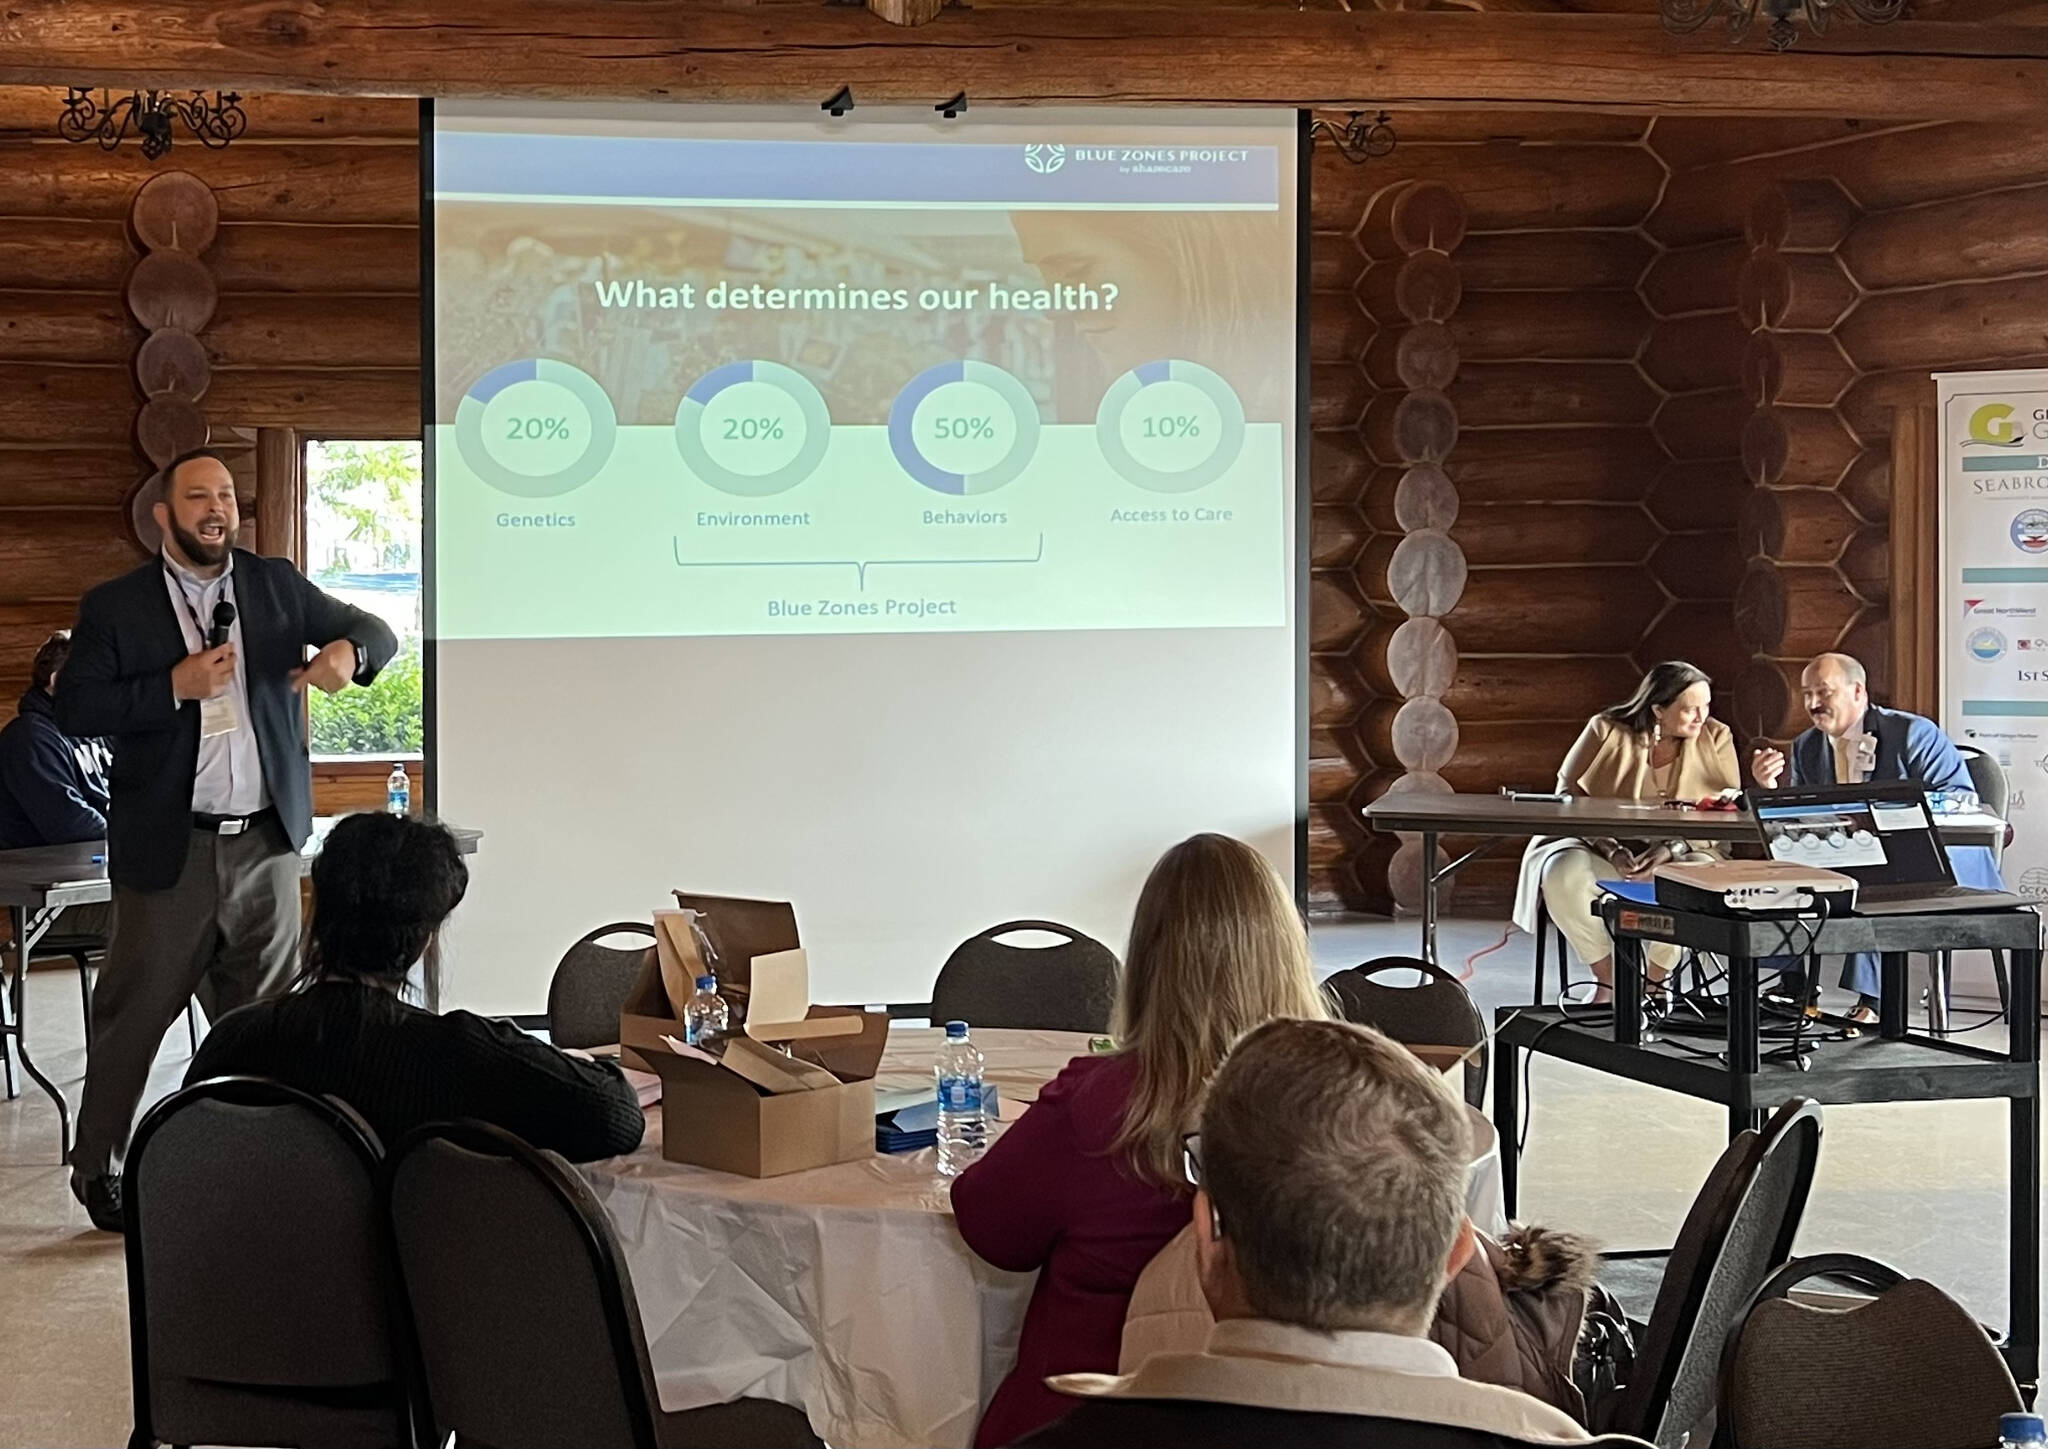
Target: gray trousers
227, 932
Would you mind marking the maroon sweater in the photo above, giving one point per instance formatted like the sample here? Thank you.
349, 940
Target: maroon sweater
1050, 1196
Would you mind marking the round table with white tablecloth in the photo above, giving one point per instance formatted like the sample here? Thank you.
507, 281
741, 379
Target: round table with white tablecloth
845, 1291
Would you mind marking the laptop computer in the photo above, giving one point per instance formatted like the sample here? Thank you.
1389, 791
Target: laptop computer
1881, 835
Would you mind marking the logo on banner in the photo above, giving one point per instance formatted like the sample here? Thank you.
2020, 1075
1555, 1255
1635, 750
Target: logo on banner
1046, 157
1986, 645
1998, 611
2030, 530
1992, 426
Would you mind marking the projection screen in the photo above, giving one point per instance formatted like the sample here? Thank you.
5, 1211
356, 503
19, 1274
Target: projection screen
894, 514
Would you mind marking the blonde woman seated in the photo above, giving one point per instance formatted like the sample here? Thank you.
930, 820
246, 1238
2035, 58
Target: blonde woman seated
1660, 745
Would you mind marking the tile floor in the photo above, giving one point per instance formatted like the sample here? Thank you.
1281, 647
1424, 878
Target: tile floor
1918, 1185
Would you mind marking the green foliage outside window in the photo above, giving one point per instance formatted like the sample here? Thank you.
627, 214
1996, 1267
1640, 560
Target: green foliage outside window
383, 719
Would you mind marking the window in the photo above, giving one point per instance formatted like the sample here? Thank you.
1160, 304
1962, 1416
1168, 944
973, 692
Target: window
363, 545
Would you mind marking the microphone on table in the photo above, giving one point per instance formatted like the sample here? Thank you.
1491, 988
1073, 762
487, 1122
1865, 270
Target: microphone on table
223, 619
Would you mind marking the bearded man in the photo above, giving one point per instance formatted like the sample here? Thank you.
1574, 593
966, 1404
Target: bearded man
195, 667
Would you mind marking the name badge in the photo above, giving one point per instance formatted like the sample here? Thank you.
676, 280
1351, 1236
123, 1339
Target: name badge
218, 716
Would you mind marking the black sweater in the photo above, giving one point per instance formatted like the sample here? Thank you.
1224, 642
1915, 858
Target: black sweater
400, 1066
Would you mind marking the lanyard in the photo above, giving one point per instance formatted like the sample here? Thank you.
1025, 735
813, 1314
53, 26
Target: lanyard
191, 610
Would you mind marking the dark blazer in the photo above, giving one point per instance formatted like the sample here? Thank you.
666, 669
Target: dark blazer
53, 788
117, 682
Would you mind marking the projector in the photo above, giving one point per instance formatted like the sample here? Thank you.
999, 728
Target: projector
1753, 888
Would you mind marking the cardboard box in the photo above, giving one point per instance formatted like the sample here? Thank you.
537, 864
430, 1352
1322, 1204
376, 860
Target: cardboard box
794, 1089
741, 929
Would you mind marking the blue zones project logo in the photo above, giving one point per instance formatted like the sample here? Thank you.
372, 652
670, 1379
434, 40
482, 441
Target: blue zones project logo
1985, 645
2030, 530
1045, 157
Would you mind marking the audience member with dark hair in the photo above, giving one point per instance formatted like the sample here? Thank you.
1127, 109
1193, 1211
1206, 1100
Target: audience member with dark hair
1329, 1214
1087, 1186
53, 786
1659, 744
382, 887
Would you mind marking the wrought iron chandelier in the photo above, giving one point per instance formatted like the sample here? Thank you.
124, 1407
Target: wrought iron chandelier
1682, 17
1357, 140
110, 120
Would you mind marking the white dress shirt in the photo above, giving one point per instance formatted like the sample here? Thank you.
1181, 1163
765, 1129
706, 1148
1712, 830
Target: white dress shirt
229, 780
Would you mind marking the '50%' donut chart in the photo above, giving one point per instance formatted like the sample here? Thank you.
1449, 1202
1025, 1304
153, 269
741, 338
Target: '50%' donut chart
539, 428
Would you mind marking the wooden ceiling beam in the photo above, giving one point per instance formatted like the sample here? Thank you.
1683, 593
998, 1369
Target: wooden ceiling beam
1073, 54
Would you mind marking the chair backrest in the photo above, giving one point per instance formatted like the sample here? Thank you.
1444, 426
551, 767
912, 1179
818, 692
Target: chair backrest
591, 983
1740, 1228
1068, 986
1907, 1369
1434, 1010
527, 1330
1987, 778
259, 1307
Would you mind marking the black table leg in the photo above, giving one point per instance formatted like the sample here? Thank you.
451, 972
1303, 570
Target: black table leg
25, 940
1429, 898
1506, 1121
1744, 1057
1891, 995
2022, 1346
1628, 991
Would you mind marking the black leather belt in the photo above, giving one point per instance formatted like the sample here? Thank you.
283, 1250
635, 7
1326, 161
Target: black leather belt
226, 824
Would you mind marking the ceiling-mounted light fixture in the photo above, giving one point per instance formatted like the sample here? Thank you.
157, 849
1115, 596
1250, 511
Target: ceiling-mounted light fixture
1682, 17
1357, 140
109, 119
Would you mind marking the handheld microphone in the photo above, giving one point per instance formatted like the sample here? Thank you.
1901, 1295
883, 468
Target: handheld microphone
223, 618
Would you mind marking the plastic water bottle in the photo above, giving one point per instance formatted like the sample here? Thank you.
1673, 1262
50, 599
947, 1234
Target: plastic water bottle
2021, 1431
706, 1014
398, 792
963, 1127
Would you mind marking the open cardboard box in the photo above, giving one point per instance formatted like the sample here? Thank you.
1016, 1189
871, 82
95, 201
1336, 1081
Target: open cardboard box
793, 1089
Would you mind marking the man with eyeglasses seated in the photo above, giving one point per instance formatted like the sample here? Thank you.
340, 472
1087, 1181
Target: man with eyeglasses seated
1329, 1214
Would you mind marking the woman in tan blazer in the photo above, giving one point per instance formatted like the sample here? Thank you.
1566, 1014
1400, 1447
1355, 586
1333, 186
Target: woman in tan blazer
1659, 745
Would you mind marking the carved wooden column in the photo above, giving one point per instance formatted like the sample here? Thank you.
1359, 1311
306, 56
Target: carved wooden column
1803, 537
171, 293
1411, 289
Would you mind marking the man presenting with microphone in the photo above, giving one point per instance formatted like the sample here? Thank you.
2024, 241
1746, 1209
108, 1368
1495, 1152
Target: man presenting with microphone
195, 664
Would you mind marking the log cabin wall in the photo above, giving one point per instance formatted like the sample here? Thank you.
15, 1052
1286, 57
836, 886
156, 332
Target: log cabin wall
1584, 549
1873, 254
317, 327
1600, 403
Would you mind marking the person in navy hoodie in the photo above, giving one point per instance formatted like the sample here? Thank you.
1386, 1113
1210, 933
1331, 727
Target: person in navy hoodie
52, 784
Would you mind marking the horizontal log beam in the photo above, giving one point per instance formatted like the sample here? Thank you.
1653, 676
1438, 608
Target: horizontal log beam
1553, 261
303, 182
599, 49
53, 253
68, 477
57, 554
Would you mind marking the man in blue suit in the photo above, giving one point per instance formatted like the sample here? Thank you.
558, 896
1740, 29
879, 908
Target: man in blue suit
1853, 740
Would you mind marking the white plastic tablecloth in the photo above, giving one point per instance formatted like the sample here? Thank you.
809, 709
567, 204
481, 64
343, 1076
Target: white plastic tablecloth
846, 1291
